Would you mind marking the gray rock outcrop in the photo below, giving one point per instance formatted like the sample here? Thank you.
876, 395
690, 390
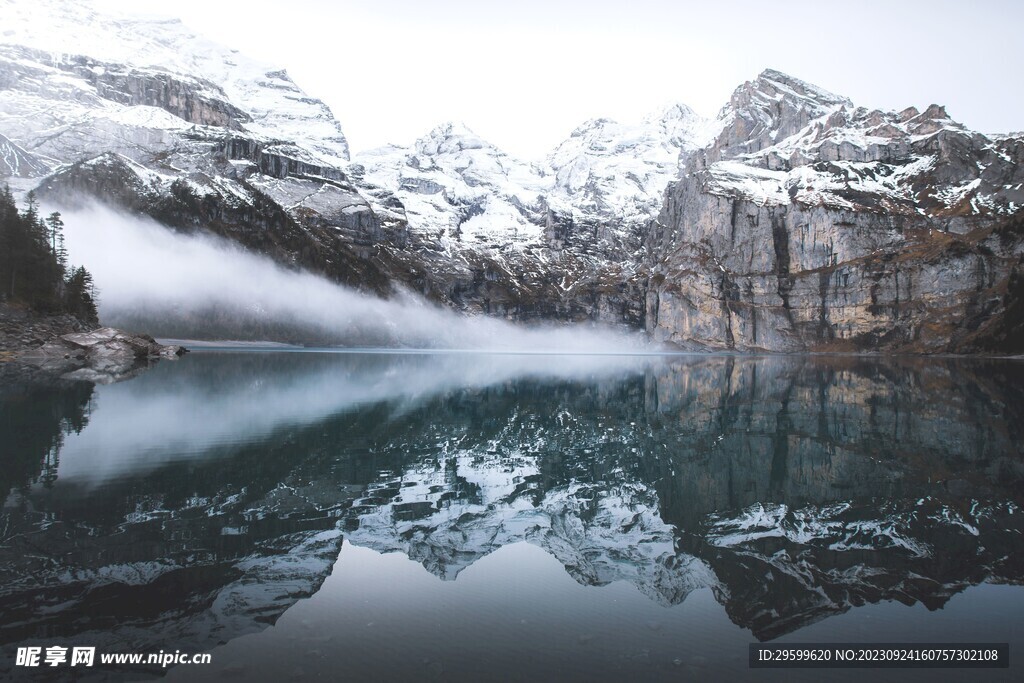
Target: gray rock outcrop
101, 356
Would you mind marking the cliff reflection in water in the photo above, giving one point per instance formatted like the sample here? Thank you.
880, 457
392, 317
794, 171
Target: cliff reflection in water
199, 501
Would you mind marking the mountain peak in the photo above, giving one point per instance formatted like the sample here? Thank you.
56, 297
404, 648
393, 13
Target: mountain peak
772, 86
804, 89
769, 108
450, 137
591, 125
451, 129
671, 113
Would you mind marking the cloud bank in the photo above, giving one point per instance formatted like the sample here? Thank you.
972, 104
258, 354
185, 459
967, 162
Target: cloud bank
175, 285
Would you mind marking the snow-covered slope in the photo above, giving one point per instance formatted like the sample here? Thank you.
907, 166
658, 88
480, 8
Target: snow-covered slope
275, 108
461, 190
16, 162
560, 238
783, 140
453, 183
606, 168
88, 82
146, 115
149, 116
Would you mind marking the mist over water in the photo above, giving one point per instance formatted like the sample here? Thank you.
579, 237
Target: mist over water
177, 284
243, 397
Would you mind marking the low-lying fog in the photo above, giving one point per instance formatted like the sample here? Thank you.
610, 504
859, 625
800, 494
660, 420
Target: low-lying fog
206, 287
209, 404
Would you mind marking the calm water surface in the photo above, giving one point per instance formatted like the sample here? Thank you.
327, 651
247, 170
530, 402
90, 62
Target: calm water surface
473, 517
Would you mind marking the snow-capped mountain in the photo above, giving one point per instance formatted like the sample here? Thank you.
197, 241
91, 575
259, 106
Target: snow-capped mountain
784, 140
460, 190
561, 238
98, 61
165, 123
809, 223
454, 184
606, 168
148, 116
793, 220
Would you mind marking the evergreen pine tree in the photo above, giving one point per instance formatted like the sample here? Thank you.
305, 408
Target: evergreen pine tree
34, 269
56, 229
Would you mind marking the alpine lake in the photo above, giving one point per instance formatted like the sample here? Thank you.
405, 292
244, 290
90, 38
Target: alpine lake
379, 516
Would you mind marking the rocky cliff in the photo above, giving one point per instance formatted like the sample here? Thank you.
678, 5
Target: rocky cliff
792, 221
811, 224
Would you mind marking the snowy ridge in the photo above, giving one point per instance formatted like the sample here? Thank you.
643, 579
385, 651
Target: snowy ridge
277, 108
773, 87
606, 168
225, 126
458, 188
778, 140
784, 140
467, 193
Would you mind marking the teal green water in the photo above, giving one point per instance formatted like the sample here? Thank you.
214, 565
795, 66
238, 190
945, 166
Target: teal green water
481, 517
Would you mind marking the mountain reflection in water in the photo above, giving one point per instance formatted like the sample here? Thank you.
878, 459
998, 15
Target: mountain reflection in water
199, 501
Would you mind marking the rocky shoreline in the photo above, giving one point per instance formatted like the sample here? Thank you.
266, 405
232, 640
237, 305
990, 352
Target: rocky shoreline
74, 349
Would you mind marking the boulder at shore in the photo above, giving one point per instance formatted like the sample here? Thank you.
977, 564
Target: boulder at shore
104, 354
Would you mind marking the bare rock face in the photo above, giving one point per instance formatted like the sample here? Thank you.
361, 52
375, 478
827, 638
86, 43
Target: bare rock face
22, 329
812, 225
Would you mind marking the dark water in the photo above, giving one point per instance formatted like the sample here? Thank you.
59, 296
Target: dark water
474, 517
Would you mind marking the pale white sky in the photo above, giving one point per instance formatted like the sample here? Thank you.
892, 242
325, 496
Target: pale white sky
523, 74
